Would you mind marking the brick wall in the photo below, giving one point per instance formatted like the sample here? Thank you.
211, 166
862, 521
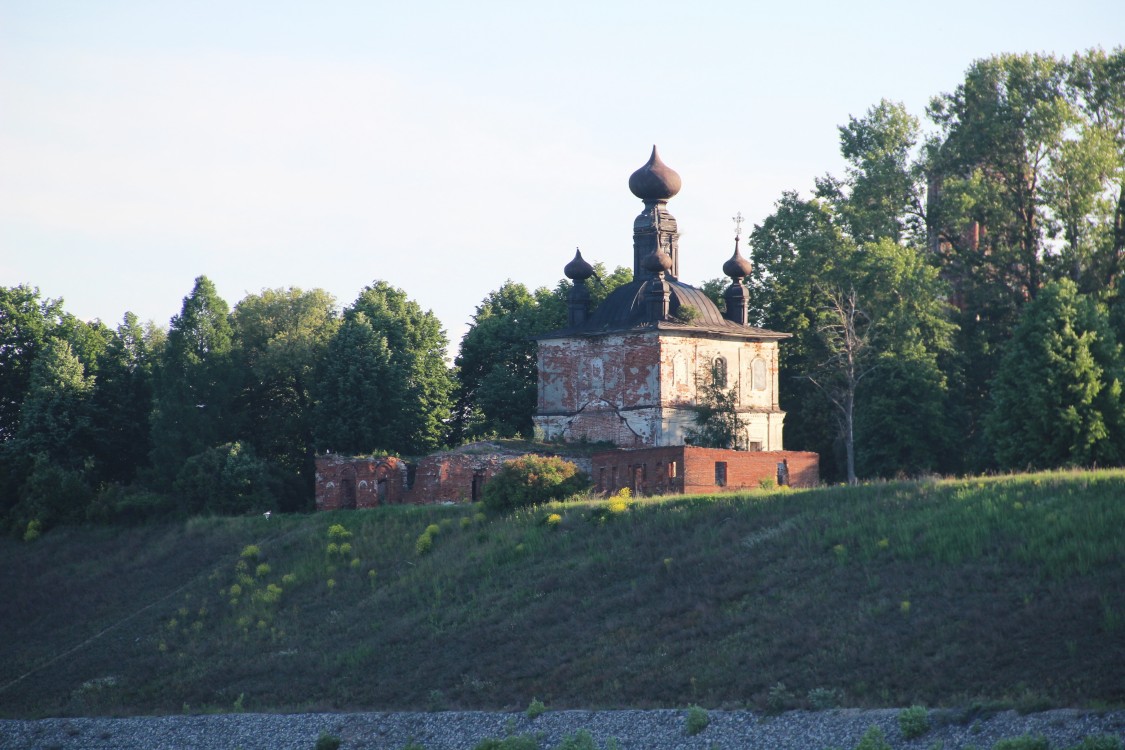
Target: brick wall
456, 476
692, 470
351, 482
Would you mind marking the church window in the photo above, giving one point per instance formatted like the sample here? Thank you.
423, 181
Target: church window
719, 372
597, 376
758, 374
721, 473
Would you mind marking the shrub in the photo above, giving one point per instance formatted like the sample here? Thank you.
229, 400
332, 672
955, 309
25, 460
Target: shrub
1026, 742
913, 721
697, 721
530, 480
535, 709
515, 742
327, 741
580, 740
779, 698
822, 699
873, 739
424, 543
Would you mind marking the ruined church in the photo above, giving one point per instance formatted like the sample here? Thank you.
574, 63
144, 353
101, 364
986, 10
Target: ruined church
631, 372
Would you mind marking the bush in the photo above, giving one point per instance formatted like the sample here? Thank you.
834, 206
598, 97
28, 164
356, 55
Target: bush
327, 741
1026, 742
580, 740
535, 709
873, 739
913, 721
779, 698
530, 480
226, 480
697, 721
822, 699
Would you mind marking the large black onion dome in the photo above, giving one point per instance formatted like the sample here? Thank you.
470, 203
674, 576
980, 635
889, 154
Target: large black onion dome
578, 269
655, 181
737, 267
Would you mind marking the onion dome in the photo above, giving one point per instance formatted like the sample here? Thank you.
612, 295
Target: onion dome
578, 269
655, 181
737, 267
657, 261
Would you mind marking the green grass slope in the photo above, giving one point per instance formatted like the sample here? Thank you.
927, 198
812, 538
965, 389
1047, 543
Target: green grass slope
986, 591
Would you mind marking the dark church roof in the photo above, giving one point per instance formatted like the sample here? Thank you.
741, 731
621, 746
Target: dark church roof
625, 310
656, 299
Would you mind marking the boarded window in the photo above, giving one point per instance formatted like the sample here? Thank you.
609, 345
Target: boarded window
721, 473
755, 445
758, 374
597, 376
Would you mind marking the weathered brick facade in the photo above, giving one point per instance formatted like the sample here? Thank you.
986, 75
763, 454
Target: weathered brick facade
456, 476
691, 470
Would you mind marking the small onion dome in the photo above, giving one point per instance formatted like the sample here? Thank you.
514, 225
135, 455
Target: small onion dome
655, 181
578, 269
657, 261
737, 267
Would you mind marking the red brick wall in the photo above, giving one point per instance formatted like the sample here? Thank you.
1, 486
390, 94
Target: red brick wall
647, 471
456, 476
366, 477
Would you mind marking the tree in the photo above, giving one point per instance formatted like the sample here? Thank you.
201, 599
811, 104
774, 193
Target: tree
193, 387
847, 333
46, 457
1096, 84
121, 403
1057, 396
717, 422
881, 196
280, 338
26, 322
225, 480
820, 263
350, 397
410, 400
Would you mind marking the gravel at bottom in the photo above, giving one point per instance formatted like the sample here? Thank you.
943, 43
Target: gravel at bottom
633, 730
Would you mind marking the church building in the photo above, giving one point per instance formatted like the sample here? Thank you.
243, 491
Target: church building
634, 371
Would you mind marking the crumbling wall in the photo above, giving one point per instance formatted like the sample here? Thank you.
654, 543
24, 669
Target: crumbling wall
692, 470
360, 481
456, 476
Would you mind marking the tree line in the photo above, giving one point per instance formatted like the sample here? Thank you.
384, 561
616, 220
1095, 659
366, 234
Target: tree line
954, 299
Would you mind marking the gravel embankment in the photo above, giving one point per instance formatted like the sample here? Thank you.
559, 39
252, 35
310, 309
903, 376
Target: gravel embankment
461, 730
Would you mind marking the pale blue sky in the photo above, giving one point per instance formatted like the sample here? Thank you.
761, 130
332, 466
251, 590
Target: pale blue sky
443, 147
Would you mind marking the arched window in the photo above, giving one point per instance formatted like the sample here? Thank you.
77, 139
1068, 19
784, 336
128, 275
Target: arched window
719, 372
758, 374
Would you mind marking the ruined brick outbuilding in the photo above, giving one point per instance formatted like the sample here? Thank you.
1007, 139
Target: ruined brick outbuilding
632, 372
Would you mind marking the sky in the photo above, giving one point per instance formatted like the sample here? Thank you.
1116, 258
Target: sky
442, 147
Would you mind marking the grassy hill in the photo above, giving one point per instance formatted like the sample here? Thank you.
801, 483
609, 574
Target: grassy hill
971, 592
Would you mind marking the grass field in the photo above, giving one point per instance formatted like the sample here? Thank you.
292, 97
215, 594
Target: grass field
983, 592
